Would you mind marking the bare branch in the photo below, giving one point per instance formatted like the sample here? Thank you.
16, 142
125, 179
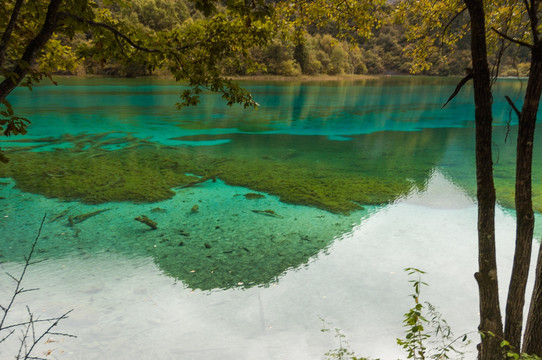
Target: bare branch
7, 336
516, 41
13, 277
24, 323
18, 288
463, 81
48, 331
511, 103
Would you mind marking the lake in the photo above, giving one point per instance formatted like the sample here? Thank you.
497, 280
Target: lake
219, 232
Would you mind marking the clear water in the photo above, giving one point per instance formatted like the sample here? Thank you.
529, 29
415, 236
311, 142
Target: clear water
319, 199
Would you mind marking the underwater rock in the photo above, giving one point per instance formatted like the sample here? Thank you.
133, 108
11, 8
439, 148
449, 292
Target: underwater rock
253, 196
194, 209
158, 210
72, 220
267, 213
145, 220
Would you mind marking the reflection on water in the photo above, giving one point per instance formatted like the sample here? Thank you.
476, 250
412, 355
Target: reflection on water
245, 199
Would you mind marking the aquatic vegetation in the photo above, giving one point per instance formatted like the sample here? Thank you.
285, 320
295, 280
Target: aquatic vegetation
85, 168
96, 175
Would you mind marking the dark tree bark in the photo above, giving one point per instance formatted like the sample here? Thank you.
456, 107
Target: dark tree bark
532, 341
490, 316
32, 50
523, 199
525, 215
6, 36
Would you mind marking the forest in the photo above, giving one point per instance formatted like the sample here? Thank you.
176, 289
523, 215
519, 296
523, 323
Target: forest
319, 51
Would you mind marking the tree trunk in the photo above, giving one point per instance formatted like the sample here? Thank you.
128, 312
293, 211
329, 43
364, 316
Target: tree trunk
490, 315
532, 341
32, 50
524, 206
524, 209
6, 36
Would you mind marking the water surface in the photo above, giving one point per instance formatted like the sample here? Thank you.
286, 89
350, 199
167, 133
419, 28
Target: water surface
267, 219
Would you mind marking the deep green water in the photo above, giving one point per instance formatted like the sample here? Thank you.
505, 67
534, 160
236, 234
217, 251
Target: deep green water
288, 187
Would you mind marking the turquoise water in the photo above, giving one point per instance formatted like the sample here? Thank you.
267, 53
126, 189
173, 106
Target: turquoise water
314, 203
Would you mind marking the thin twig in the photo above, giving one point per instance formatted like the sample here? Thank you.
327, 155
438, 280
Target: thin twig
48, 331
18, 288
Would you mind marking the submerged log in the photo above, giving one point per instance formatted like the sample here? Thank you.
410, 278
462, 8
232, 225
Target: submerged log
72, 220
203, 179
270, 213
145, 220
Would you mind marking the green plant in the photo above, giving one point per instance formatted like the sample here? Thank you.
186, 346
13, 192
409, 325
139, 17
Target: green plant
414, 321
509, 349
428, 339
342, 352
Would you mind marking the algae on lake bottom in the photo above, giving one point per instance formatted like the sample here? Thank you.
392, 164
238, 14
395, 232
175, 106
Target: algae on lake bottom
220, 247
88, 170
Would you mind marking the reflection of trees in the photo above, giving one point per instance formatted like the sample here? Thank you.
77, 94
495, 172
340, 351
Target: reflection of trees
459, 165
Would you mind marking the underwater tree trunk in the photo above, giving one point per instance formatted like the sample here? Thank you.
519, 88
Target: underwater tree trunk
490, 315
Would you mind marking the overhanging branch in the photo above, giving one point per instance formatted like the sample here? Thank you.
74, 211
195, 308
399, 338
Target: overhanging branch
111, 28
511, 39
6, 36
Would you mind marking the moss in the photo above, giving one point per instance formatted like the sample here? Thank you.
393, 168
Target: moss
122, 175
88, 170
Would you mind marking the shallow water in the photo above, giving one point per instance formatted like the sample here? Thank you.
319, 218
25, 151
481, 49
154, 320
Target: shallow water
313, 205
